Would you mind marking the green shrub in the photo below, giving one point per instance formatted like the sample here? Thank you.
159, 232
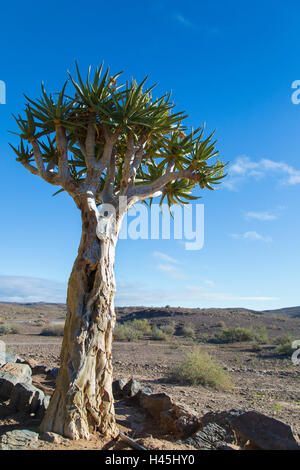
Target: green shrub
198, 368
125, 332
53, 330
158, 334
140, 325
188, 331
8, 329
285, 349
168, 329
288, 338
239, 334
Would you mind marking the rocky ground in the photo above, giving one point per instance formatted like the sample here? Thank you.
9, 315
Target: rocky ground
262, 381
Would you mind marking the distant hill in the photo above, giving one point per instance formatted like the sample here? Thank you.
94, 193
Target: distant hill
293, 312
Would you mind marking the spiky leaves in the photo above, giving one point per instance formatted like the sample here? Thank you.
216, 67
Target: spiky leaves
114, 140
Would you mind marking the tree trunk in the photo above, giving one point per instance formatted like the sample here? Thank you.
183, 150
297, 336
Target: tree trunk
83, 400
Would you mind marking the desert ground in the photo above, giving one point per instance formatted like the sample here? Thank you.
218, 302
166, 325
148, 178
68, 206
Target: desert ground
262, 379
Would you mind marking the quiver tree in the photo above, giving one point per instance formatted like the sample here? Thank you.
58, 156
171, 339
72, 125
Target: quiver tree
108, 146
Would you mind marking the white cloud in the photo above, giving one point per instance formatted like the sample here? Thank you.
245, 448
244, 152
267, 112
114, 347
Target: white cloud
252, 235
29, 289
260, 215
171, 271
130, 294
209, 283
164, 257
243, 167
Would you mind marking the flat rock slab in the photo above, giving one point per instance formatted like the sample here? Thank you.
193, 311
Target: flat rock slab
19, 439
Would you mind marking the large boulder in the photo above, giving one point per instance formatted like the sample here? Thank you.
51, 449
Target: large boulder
10, 375
26, 398
259, 431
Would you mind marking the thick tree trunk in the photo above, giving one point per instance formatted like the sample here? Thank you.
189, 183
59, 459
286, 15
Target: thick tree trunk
83, 400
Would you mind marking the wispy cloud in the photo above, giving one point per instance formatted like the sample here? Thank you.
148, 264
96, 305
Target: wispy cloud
253, 236
182, 20
264, 216
165, 257
244, 167
130, 294
29, 289
171, 271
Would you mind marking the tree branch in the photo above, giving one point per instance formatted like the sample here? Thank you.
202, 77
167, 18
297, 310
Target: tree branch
148, 190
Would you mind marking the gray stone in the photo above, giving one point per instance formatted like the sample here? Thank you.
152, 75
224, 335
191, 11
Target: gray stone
263, 432
26, 398
19, 439
6, 357
43, 407
210, 437
117, 387
131, 388
10, 375
53, 437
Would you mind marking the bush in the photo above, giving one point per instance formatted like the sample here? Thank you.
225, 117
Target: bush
53, 330
198, 368
158, 334
188, 331
284, 339
140, 325
239, 334
221, 324
168, 329
8, 329
126, 333
285, 349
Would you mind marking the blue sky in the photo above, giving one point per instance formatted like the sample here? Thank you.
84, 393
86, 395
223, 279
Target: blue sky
230, 64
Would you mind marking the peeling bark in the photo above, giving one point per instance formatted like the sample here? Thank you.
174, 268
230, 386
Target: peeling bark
83, 400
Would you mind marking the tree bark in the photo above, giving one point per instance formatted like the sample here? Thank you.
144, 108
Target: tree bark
83, 400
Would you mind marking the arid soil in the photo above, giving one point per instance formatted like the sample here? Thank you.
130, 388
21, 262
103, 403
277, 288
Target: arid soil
262, 380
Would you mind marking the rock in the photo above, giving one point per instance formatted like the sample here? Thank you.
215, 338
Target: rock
131, 388
38, 369
10, 375
210, 437
54, 372
43, 407
30, 362
53, 437
6, 357
18, 439
117, 387
263, 432
224, 420
187, 420
155, 403
26, 398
